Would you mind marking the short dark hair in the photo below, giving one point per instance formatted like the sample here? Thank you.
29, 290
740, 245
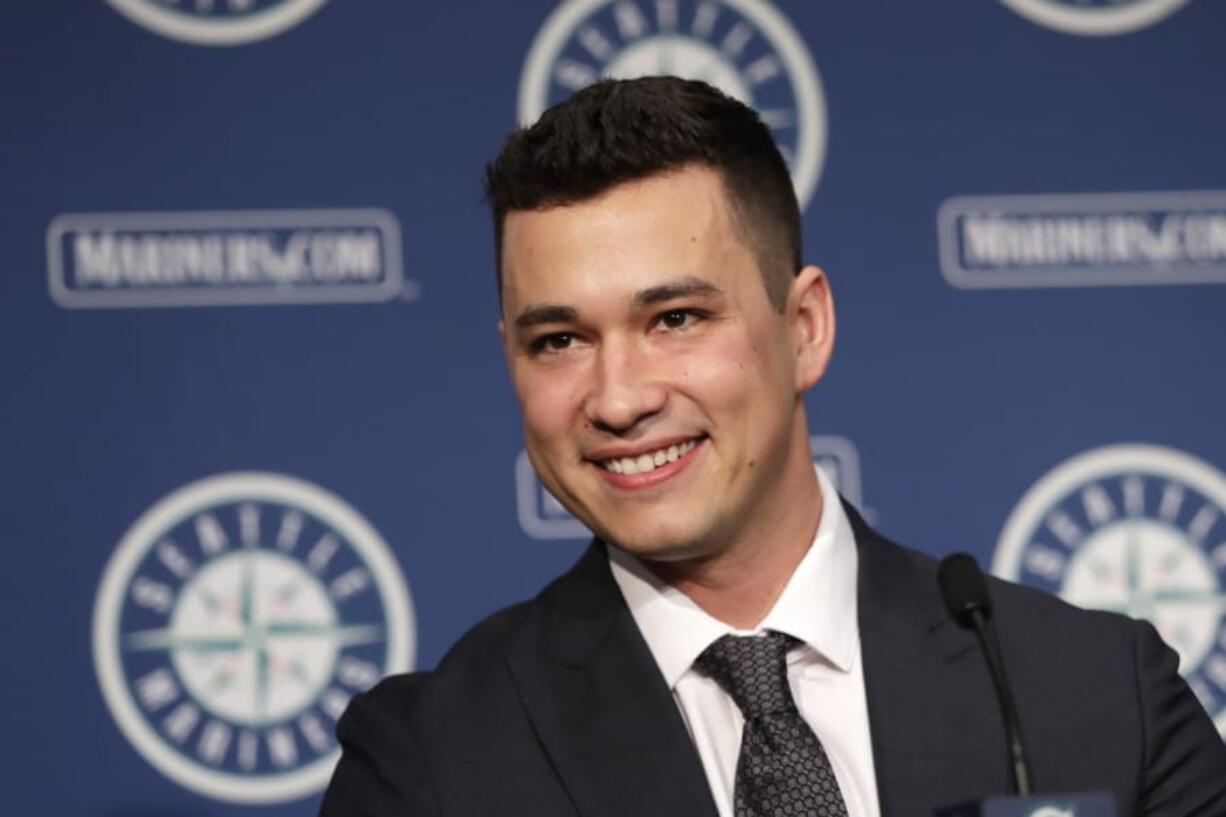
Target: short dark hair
616, 131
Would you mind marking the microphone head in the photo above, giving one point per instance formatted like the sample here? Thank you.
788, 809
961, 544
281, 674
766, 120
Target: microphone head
963, 588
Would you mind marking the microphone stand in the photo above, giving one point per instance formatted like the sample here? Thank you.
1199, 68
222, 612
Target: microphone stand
966, 595
1019, 765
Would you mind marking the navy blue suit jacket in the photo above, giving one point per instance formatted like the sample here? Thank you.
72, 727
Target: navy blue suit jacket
556, 707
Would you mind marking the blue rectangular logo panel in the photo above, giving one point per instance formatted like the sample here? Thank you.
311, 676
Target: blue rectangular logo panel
1080, 240
103, 260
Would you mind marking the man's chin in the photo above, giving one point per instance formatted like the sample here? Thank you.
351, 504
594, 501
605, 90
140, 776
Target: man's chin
670, 531
660, 548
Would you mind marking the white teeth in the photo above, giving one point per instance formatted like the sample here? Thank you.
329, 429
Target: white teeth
646, 463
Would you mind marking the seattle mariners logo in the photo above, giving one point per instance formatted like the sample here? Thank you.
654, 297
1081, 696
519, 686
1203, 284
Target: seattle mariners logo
1137, 529
233, 623
217, 22
1095, 17
744, 47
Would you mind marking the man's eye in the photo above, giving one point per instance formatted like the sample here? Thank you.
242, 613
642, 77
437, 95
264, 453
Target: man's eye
557, 342
677, 318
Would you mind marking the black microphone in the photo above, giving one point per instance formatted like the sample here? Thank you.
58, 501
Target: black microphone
966, 596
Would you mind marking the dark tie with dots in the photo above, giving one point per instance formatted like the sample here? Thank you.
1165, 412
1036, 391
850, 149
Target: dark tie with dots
782, 770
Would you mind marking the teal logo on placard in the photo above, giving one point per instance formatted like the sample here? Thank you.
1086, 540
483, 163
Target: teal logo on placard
217, 22
1139, 530
746, 48
234, 622
1095, 17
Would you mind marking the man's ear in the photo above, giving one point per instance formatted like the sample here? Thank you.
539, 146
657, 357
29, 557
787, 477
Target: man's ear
505, 340
810, 311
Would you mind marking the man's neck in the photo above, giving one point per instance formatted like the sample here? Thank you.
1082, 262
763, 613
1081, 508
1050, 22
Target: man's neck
740, 585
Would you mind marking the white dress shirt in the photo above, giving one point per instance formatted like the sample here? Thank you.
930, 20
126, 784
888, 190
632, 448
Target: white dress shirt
818, 607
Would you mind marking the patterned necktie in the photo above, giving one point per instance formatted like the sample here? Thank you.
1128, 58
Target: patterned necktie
782, 770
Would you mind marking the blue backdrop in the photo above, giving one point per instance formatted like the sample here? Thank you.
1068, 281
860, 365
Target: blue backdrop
258, 446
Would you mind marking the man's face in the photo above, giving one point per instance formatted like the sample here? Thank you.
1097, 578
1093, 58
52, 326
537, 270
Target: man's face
661, 391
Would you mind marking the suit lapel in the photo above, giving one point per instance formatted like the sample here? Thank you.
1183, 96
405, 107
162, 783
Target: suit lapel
937, 738
613, 732
601, 708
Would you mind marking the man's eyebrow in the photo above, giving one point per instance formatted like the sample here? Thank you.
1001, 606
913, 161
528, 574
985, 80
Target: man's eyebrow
689, 286
546, 313
680, 288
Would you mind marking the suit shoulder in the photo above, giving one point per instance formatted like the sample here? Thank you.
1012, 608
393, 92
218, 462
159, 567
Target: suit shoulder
474, 673
1018, 607
474, 660
1019, 610
488, 640
402, 735
482, 645
1027, 618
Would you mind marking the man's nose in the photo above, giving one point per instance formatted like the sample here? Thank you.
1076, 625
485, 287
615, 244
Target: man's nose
625, 390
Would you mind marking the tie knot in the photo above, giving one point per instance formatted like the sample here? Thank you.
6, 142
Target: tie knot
753, 670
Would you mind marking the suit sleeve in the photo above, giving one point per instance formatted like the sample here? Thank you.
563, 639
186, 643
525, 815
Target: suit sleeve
382, 772
1185, 759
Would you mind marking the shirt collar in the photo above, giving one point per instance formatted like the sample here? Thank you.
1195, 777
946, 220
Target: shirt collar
817, 606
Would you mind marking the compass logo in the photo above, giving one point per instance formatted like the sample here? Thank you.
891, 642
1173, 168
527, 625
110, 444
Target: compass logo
746, 48
217, 22
1137, 529
234, 622
1095, 17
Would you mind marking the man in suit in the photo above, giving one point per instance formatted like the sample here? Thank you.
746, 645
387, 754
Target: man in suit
736, 641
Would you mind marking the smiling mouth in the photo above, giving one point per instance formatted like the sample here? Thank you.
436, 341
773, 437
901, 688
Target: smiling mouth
649, 461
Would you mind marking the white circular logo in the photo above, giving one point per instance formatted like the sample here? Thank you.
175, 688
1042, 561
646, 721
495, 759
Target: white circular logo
746, 48
1137, 529
233, 623
1095, 17
217, 22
